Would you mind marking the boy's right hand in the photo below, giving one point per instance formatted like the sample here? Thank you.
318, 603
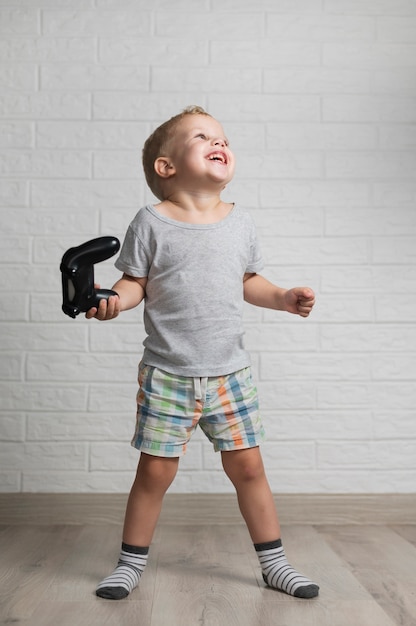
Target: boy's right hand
107, 309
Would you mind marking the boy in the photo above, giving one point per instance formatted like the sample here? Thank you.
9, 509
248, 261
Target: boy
195, 259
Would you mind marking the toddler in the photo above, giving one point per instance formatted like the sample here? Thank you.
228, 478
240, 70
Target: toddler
195, 259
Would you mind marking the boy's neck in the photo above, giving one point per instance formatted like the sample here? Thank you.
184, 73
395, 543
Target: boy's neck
194, 208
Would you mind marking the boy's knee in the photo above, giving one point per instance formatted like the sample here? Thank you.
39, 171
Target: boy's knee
157, 470
243, 467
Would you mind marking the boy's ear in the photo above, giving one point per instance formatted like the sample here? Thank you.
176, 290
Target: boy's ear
164, 167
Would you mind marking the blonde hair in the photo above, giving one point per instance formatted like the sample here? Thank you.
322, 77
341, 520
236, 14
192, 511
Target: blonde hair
156, 145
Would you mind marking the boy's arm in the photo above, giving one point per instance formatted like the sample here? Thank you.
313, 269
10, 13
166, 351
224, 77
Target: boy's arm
131, 292
261, 292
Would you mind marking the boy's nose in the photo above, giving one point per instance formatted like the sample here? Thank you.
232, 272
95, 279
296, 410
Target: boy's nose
219, 142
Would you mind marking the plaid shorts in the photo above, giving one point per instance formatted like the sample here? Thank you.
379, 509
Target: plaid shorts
170, 407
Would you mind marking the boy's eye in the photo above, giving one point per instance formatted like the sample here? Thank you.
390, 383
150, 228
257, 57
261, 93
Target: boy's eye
201, 135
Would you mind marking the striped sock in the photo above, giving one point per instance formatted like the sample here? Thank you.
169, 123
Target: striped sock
127, 574
279, 574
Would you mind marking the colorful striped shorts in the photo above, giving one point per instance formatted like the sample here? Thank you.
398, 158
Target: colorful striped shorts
170, 407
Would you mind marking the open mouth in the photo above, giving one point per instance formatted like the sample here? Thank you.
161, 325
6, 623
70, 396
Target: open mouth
220, 157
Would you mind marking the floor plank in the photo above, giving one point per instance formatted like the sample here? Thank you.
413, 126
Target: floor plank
383, 562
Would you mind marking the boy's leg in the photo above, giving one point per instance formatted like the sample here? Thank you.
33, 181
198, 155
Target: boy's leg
246, 471
153, 478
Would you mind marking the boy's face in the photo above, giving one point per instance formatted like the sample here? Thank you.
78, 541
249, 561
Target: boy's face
200, 153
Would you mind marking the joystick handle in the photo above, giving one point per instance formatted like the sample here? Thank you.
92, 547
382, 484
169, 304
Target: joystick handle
77, 268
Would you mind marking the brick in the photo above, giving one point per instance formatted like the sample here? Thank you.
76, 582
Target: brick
324, 251
15, 134
369, 7
47, 307
265, 107
116, 337
42, 164
265, 164
14, 194
320, 27
23, 397
394, 193
14, 250
317, 425
316, 193
299, 455
61, 481
86, 135
38, 105
18, 77
286, 336
74, 225
354, 338
316, 81
290, 366
25, 274
396, 138
64, 337
203, 5
278, 6
398, 396
392, 308
353, 309
44, 456
47, 50
380, 455
370, 165
117, 164
400, 366
368, 279
352, 108
321, 136
402, 427
279, 395
19, 21
96, 77
343, 395
151, 108
80, 367
400, 250
12, 426
89, 23
115, 397
397, 82
86, 194
369, 56
264, 53
113, 457
57, 4
228, 80
14, 307
232, 27
76, 426
289, 223
396, 29
10, 482
371, 222
152, 51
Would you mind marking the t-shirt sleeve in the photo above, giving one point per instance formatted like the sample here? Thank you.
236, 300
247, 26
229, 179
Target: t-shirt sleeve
133, 259
255, 262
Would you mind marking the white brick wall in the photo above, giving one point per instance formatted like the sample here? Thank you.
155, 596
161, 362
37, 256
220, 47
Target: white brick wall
319, 100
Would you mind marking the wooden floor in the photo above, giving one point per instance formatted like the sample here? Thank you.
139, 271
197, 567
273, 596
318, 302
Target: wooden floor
203, 570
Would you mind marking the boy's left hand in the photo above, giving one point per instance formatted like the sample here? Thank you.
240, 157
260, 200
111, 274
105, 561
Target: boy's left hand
299, 300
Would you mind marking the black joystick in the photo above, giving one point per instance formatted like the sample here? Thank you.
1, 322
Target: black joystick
77, 267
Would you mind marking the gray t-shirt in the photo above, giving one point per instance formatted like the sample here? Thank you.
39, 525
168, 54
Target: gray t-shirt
194, 293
